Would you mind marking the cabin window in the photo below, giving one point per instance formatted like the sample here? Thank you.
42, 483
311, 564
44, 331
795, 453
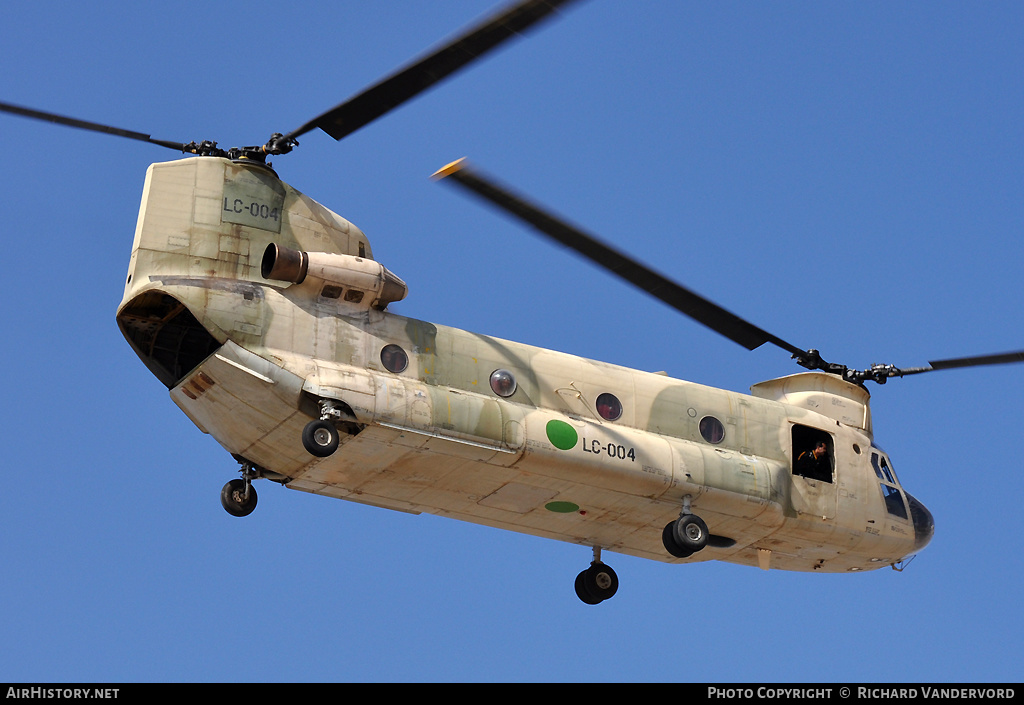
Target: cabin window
608, 406
503, 383
711, 429
354, 296
394, 358
891, 493
331, 291
812, 453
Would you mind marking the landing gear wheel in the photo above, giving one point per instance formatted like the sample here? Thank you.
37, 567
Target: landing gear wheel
320, 438
691, 533
668, 538
234, 500
596, 584
581, 590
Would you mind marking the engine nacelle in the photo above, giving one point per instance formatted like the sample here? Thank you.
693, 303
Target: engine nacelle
356, 281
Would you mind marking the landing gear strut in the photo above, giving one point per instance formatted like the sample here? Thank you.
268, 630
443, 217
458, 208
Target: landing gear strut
597, 583
239, 496
686, 535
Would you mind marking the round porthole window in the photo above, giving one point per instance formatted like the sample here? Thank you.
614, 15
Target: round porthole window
394, 358
608, 406
503, 383
711, 429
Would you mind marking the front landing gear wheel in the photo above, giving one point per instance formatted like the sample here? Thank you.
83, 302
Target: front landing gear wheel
239, 498
668, 538
320, 438
581, 590
596, 584
691, 533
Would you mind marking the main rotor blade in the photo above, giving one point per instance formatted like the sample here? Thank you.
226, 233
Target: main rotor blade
678, 297
415, 78
974, 361
85, 125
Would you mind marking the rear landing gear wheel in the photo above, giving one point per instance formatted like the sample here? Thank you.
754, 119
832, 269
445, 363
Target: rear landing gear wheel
596, 584
238, 498
320, 438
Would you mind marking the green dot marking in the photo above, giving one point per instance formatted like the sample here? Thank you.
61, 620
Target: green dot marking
562, 507
562, 435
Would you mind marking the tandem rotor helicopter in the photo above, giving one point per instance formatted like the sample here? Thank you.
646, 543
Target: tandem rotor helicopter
266, 316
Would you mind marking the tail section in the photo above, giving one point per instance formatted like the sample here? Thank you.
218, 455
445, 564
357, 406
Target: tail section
194, 278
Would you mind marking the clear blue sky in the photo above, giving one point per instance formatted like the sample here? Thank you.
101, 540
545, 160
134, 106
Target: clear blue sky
845, 175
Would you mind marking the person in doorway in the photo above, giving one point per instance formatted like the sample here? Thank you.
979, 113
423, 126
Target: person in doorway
814, 463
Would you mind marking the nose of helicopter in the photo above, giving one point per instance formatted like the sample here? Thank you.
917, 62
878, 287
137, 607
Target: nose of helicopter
924, 524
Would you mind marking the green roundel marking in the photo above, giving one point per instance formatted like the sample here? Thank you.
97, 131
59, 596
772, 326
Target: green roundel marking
562, 435
562, 507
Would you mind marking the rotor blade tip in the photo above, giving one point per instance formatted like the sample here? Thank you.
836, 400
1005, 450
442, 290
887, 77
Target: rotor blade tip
449, 169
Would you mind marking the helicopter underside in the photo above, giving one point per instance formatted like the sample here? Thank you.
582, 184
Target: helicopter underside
257, 411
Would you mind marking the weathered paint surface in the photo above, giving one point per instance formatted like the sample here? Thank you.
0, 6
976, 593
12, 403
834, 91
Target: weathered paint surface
433, 437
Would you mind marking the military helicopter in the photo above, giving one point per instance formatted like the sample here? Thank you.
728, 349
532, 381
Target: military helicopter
266, 316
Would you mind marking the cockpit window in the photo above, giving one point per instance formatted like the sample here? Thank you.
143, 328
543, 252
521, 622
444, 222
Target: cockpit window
874, 464
891, 493
881, 467
894, 501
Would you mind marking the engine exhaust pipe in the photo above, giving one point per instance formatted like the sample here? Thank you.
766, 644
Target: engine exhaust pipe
284, 264
359, 278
